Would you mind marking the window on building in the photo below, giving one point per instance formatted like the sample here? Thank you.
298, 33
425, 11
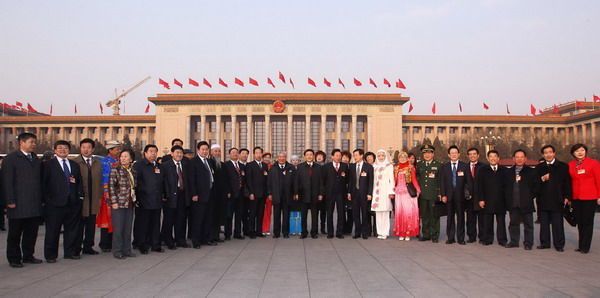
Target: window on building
440, 130
415, 143
404, 143
315, 132
329, 126
360, 126
416, 129
345, 126
198, 126
144, 130
228, 126
259, 135
212, 142
227, 145
298, 138
428, 129
452, 129
213, 126
329, 144
360, 144
405, 129
243, 134
465, 130
279, 136
345, 145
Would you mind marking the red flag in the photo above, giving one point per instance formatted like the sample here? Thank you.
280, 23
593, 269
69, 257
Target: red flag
533, 109
555, 110
193, 83
410, 107
176, 82
485, 107
222, 83
50, 109
75, 108
147, 109
101, 108
19, 104
433, 108
270, 82
540, 112
372, 83
341, 83
357, 82
292, 82
326, 82
386, 82
460, 106
239, 82
252, 82
579, 104
311, 82
30, 108
507, 110
596, 98
206, 82
163, 83
400, 85
281, 77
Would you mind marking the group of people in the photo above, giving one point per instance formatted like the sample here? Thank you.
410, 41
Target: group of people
164, 201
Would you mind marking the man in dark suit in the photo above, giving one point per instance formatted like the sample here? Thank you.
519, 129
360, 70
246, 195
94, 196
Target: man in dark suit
489, 194
256, 182
555, 191
522, 186
360, 191
335, 183
280, 189
218, 201
456, 190
150, 194
63, 196
309, 189
235, 185
203, 179
22, 187
178, 190
167, 157
474, 217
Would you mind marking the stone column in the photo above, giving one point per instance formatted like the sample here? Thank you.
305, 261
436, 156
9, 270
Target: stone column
188, 132
338, 131
203, 128
249, 133
268, 133
307, 132
234, 140
369, 134
323, 134
219, 130
353, 132
289, 146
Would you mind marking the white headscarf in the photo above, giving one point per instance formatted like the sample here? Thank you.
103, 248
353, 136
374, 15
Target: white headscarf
384, 163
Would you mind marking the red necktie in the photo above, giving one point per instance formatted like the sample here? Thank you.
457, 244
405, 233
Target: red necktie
337, 167
179, 176
473, 170
237, 169
310, 169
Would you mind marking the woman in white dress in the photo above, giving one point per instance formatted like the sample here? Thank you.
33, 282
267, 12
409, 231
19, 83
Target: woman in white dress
383, 192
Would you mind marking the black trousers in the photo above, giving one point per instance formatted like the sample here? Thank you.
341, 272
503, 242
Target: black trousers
281, 212
235, 214
147, 226
168, 225
2, 215
314, 218
322, 214
256, 213
335, 203
480, 223
198, 211
362, 217
455, 225
86, 233
67, 217
514, 227
554, 219
181, 220
584, 211
349, 223
174, 219
105, 239
487, 228
210, 223
20, 241
471, 220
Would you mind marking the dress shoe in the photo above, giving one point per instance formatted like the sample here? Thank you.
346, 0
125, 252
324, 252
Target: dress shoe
542, 247
365, 237
50, 261
131, 255
252, 237
423, 239
73, 257
329, 236
120, 257
261, 235
560, 249
32, 261
185, 245
158, 250
527, 247
89, 252
314, 236
355, 237
323, 231
286, 236
340, 236
197, 246
172, 247
219, 240
502, 244
2, 229
511, 245
449, 241
15, 264
303, 236
471, 241
227, 238
481, 242
462, 242
144, 252
275, 236
105, 249
239, 237
435, 240
486, 244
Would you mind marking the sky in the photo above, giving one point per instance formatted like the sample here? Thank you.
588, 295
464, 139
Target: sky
496, 52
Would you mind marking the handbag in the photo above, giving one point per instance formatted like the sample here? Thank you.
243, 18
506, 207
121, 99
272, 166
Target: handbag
569, 216
439, 209
412, 190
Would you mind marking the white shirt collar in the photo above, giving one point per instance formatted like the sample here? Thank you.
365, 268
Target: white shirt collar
551, 162
25, 152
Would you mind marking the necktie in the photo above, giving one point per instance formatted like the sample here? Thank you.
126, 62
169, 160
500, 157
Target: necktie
494, 167
209, 171
67, 175
237, 169
29, 157
357, 175
337, 167
473, 170
89, 164
454, 174
179, 176
310, 169
259, 164
427, 164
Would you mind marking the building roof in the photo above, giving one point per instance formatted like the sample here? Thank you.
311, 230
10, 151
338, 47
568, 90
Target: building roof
78, 119
267, 98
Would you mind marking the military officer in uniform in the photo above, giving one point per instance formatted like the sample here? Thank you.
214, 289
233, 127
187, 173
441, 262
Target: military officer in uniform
428, 175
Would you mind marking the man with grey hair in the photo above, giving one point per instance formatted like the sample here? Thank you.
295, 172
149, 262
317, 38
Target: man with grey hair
280, 190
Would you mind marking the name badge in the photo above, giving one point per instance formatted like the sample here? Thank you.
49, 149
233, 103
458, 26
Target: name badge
265, 173
363, 174
460, 174
156, 171
518, 178
72, 179
243, 173
343, 174
284, 172
582, 171
434, 168
431, 175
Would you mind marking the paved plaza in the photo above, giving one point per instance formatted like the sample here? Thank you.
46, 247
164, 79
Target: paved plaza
317, 268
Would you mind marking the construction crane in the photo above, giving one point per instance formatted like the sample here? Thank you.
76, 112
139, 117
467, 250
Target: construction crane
115, 102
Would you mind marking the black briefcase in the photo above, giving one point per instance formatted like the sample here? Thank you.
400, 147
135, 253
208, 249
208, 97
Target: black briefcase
439, 209
569, 216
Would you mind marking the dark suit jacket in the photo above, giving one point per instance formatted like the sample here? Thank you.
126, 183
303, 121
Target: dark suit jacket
528, 188
233, 179
489, 187
553, 192
256, 179
464, 181
308, 187
335, 183
220, 174
365, 181
150, 184
201, 179
478, 166
59, 191
171, 179
22, 185
281, 183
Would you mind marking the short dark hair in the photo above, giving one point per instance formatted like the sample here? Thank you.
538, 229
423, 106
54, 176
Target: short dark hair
257, 148
176, 140
370, 154
577, 147
410, 154
334, 151
473, 149
360, 151
62, 142
347, 154
546, 147
453, 147
232, 148
493, 151
322, 153
176, 147
519, 150
131, 153
309, 150
245, 149
202, 143
147, 147
88, 141
26, 136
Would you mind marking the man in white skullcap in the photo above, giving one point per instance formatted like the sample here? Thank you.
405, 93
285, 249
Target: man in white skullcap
218, 203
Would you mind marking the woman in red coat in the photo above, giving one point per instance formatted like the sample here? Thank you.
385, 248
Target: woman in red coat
585, 177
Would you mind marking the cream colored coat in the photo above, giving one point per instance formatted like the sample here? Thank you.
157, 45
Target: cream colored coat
383, 187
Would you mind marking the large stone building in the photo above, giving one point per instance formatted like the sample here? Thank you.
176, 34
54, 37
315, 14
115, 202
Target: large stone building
293, 122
